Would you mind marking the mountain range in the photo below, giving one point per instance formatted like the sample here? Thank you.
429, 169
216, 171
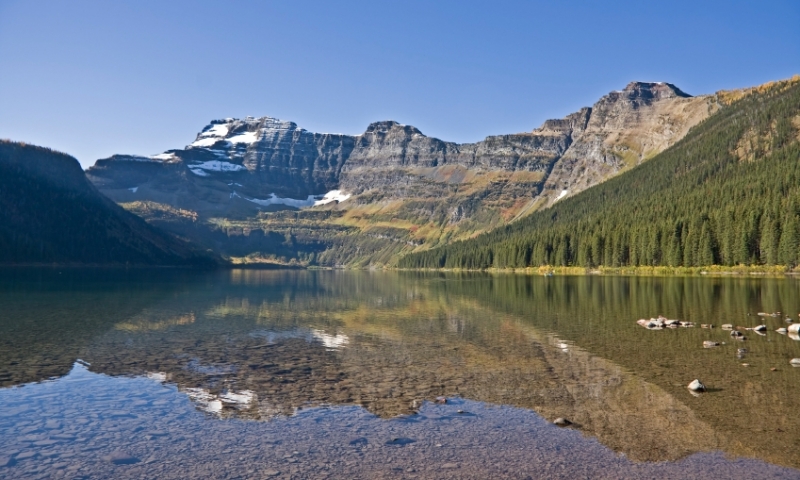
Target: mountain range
727, 194
261, 189
264, 191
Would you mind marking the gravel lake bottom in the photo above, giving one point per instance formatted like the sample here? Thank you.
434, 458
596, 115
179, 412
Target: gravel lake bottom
296, 374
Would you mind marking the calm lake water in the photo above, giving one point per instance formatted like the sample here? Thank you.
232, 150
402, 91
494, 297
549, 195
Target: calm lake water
336, 374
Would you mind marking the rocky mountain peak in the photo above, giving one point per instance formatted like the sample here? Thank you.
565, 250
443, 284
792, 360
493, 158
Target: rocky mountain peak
652, 91
390, 126
234, 167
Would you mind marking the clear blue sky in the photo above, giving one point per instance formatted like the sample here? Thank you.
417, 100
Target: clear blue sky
94, 78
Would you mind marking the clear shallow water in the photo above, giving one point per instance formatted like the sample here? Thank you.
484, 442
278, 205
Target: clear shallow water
254, 374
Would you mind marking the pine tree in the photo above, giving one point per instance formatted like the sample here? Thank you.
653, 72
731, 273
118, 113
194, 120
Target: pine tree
787, 248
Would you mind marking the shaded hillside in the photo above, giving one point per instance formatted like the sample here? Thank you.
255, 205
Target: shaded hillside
728, 193
50, 213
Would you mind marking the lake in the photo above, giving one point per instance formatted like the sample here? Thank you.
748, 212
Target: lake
361, 374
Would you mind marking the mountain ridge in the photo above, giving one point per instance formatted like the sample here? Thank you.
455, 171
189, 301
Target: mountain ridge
51, 214
726, 194
402, 187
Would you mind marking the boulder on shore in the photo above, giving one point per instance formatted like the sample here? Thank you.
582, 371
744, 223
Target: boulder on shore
696, 386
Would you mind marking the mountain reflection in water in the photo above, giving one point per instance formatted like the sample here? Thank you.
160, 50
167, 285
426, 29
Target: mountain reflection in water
265, 345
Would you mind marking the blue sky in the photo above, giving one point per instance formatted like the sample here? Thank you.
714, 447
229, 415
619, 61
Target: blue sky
94, 78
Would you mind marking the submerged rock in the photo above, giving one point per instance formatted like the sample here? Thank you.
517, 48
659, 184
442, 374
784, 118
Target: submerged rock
651, 324
696, 386
562, 422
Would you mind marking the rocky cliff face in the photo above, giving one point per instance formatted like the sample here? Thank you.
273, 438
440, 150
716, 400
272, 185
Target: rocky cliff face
625, 128
427, 191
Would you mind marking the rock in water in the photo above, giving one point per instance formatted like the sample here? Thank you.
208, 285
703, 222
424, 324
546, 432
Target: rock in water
795, 362
735, 333
760, 328
710, 343
781, 330
562, 422
697, 386
727, 326
794, 328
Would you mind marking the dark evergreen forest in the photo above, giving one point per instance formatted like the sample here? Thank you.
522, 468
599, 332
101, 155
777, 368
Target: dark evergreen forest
727, 194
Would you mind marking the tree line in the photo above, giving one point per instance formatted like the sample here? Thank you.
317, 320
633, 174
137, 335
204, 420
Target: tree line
726, 194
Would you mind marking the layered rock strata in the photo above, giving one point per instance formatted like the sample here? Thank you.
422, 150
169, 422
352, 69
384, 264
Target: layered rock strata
394, 175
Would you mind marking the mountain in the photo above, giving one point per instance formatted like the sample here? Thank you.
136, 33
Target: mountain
50, 213
267, 189
728, 193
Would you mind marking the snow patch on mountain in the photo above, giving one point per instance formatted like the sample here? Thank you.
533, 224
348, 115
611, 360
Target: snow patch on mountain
198, 172
332, 196
216, 130
246, 137
561, 195
311, 201
289, 202
210, 136
205, 142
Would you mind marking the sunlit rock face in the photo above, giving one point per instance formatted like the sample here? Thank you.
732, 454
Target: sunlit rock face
396, 186
232, 160
269, 156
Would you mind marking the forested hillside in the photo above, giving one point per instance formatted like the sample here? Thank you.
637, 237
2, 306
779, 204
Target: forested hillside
50, 213
727, 194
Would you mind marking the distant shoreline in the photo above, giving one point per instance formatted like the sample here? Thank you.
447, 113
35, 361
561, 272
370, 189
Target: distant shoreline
712, 270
